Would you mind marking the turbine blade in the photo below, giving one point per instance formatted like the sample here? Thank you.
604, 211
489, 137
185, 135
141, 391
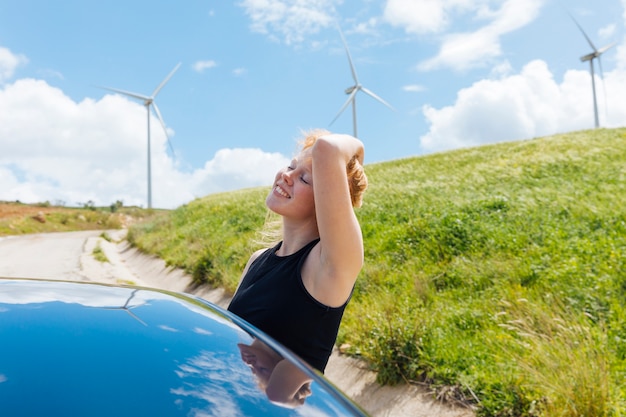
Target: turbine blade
158, 113
352, 69
156, 91
133, 315
350, 98
584, 34
606, 48
127, 93
371, 94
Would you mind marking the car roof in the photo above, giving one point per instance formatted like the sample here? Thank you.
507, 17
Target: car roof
88, 349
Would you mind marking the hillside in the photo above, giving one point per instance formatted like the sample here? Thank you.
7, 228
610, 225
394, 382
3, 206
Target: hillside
496, 275
17, 218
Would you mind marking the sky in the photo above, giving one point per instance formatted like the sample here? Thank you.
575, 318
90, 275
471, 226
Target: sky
255, 74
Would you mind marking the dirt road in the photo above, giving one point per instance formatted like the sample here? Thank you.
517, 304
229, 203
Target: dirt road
69, 256
54, 256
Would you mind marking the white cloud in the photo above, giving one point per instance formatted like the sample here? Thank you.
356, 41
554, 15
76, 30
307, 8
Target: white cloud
8, 63
413, 88
607, 31
462, 51
501, 69
230, 168
366, 27
418, 16
291, 20
58, 150
521, 106
200, 66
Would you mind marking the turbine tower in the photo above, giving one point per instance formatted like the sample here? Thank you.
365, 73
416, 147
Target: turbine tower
149, 101
597, 53
353, 90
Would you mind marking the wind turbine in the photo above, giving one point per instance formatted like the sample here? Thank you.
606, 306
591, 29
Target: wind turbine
590, 57
149, 101
353, 90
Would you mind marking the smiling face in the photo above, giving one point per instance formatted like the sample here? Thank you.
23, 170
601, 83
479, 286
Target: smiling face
292, 193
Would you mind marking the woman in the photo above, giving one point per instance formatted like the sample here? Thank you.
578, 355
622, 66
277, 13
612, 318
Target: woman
297, 291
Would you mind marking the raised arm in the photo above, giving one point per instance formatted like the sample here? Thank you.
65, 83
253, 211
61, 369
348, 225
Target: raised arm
341, 242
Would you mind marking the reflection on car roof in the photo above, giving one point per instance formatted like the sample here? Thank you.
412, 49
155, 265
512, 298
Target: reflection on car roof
98, 350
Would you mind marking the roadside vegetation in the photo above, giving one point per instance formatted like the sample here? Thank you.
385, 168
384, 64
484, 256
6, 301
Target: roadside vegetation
99, 255
495, 275
17, 218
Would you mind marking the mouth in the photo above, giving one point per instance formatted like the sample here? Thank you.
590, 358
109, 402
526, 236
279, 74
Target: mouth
278, 190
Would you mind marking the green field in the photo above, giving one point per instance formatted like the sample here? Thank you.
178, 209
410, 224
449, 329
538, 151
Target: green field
495, 275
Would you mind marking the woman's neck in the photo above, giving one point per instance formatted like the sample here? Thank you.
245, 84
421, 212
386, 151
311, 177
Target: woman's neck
295, 237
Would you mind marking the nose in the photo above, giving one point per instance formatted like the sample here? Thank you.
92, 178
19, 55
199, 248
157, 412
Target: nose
286, 174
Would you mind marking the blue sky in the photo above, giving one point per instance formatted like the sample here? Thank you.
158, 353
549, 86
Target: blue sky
255, 73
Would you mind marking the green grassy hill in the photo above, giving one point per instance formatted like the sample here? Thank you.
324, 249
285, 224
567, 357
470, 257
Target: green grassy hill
496, 275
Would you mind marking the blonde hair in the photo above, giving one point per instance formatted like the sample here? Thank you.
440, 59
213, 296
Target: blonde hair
357, 182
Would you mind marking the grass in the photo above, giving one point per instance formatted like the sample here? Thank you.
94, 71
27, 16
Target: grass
99, 254
580, 386
495, 275
209, 238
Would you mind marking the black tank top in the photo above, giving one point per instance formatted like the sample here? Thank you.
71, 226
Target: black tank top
273, 298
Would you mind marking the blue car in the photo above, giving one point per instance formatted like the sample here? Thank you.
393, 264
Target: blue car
84, 349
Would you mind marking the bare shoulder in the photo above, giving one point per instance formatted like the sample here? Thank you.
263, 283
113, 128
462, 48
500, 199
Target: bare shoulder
254, 256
